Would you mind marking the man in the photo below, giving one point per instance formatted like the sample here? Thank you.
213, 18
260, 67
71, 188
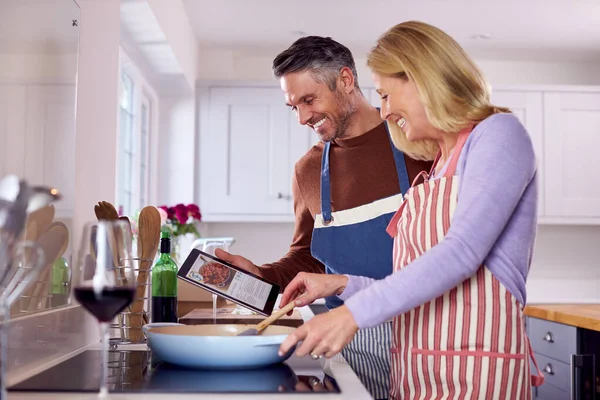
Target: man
346, 189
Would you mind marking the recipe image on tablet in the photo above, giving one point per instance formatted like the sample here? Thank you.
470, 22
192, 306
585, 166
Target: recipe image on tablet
227, 280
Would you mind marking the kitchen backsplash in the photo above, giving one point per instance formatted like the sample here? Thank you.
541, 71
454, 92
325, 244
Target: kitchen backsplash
40, 338
566, 262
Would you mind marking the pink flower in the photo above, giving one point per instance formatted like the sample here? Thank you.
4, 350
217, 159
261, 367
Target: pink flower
181, 216
163, 215
194, 212
169, 210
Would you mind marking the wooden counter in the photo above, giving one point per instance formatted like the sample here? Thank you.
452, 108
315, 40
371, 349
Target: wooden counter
585, 316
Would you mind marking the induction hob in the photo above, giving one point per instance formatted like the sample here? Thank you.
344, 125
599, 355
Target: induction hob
137, 371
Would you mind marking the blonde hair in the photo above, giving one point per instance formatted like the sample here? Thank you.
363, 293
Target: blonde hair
451, 87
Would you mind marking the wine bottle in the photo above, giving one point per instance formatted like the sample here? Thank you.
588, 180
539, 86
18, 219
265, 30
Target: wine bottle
164, 283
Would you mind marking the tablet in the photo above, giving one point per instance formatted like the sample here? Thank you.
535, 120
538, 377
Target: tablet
227, 280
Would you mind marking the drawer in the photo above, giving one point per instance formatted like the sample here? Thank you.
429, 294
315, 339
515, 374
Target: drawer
549, 392
553, 340
560, 375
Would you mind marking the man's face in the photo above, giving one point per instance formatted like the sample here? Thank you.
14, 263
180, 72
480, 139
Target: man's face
328, 113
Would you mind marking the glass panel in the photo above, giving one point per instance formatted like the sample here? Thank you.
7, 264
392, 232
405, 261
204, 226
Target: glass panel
126, 92
144, 147
38, 65
126, 151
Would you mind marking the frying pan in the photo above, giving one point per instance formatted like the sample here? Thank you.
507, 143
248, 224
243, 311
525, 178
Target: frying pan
216, 346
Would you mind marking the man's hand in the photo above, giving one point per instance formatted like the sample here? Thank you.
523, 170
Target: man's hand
238, 261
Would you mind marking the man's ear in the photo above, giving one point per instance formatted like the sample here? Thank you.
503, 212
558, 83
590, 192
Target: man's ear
347, 80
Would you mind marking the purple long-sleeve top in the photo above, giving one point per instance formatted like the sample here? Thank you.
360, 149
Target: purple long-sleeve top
494, 224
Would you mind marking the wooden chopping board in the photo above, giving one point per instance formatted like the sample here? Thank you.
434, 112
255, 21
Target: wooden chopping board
226, 316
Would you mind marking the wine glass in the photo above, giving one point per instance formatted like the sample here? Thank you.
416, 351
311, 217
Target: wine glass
106, 282
209, 246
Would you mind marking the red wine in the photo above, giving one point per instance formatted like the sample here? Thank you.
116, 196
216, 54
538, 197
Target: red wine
164, 309
107, 304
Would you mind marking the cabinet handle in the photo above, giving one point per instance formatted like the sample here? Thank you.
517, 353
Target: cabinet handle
548, 369
549, 338
283, 196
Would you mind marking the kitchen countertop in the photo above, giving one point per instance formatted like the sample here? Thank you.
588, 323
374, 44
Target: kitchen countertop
585, 316
350, 386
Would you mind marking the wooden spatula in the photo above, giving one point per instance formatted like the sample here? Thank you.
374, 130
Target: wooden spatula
261, 326
148, 239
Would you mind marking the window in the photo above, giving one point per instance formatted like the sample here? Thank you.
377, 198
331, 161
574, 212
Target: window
136, 108
126, 147
144, 151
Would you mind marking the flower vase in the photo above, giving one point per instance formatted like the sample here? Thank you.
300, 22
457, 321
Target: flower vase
181, 247
175, 251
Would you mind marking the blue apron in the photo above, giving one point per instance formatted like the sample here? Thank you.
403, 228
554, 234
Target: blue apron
355, 242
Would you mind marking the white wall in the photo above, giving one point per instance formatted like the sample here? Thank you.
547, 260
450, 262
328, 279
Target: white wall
175, 24
245, 65
177, 151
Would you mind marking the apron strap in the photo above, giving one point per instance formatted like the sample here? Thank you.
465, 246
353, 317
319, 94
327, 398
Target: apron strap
326, 178
400, 164
325, 186
460, 142
539, 379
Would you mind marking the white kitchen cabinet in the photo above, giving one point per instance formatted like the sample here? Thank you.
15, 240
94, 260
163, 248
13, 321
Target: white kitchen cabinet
527, 106
37, 137
12, 129
571, 143
50, 140
249, 143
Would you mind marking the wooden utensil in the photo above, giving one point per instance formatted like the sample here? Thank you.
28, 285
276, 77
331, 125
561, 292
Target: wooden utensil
148, 239
41, 218
54, 243
105, 211
269, 320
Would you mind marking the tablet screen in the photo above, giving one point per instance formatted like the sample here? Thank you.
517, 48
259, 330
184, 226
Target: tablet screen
229, 281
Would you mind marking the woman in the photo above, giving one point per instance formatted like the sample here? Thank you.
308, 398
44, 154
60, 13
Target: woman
462, 240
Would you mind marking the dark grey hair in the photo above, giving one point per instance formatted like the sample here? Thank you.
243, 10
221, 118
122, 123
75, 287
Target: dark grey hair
322, 56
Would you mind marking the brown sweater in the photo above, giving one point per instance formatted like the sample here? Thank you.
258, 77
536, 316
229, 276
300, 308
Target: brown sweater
362, 170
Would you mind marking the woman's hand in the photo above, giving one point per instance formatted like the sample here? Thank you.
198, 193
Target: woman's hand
312, 287
324, 335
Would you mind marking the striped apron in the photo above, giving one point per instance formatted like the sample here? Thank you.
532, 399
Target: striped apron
469, 343
354, 241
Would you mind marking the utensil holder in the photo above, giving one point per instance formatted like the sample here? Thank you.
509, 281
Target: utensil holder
121, 327
38, 297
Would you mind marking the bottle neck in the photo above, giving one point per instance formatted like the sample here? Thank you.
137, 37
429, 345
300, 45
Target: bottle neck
165, 246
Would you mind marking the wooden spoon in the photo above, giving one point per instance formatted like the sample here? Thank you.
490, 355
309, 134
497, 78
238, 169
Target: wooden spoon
148, 239
42, 218
110, 212
54, 243
261, 326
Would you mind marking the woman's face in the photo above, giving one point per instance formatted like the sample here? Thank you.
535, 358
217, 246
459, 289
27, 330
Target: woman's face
400, 104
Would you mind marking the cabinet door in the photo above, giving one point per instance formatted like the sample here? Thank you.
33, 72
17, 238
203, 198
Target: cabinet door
528, 108
50, 141
249, 144
12, 129
571, 143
